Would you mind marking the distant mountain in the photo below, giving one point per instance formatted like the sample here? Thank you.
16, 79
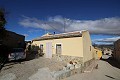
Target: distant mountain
110, 46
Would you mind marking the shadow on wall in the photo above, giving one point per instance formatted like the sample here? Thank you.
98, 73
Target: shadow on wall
33, 52
112, 62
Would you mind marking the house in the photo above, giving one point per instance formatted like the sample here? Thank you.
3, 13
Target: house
8, 41
107, 51
98, 53
13, 40
116, 53
28, 45
72, 46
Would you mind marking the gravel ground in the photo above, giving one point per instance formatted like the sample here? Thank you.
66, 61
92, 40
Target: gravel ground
23, 70
105, 71
42, 74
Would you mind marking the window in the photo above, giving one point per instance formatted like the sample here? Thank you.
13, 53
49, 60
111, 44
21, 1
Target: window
58, 49
90, 48
41, 47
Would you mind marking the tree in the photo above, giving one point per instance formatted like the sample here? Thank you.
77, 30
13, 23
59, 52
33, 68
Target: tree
2, 23
2, 18
3, 48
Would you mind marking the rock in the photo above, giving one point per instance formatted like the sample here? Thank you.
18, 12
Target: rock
69, 65
77, 66
72, 67
74, 63
64, 68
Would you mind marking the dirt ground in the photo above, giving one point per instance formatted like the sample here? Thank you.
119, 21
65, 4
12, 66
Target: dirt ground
25, 69
105, 71
36, 68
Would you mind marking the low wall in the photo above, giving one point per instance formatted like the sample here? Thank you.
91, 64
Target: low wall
86, 64
66, 58
74, 65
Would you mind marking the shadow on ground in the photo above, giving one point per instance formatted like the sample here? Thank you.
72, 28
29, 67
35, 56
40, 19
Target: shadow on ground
31, 56
9, 64
110, 77
112, 62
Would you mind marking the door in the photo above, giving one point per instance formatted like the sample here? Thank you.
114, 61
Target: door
49, 50
58, 49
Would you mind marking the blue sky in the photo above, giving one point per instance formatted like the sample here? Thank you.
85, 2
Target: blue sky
33, 18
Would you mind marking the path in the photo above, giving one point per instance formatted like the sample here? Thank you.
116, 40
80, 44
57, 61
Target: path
105, 71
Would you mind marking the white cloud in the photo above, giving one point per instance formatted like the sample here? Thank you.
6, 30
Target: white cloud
101, 26
34, 30
26, 35
109, 40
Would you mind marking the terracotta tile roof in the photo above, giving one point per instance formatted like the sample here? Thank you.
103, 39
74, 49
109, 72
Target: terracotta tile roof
58, 36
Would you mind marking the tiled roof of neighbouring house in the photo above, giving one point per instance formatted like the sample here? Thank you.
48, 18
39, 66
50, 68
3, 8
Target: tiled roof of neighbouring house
58, 36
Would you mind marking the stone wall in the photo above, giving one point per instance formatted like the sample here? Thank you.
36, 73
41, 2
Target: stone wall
66, 58
74, 65
87, 63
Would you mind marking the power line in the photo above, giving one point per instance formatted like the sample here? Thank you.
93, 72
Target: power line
54, 28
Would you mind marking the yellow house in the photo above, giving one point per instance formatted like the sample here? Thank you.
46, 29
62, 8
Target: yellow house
98, 53
75, 46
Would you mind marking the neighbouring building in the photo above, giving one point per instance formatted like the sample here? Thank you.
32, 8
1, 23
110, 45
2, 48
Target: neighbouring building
116, 53
98, 53
28, 45
107, 51
13, 40
71, 46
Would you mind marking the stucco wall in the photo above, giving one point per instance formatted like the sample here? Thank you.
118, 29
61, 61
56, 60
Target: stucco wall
37, 43
70, 46
98, 53
87, 47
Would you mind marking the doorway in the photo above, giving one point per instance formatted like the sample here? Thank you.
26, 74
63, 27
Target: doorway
49, 50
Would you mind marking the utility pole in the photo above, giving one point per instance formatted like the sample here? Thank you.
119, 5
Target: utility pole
64, 24
45, 28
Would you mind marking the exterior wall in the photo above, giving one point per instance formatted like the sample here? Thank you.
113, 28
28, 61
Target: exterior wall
87, 47
37, 43
94, 53
14, 40
70, 46
116, 53
98, 53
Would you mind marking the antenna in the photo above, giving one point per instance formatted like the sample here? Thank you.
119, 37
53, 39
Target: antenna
64, 24
45, 28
